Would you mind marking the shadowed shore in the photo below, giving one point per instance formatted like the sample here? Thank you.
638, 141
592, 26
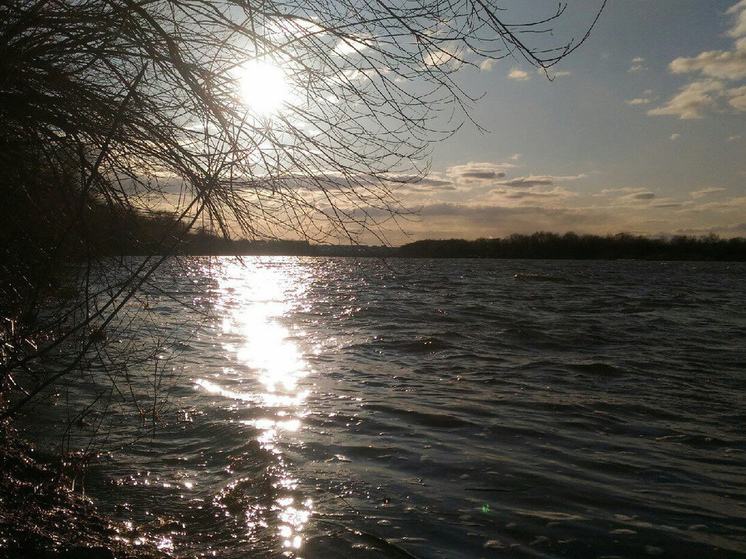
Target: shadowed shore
41, 516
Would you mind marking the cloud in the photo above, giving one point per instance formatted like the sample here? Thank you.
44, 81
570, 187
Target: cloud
615, 190
475, 173
725, 65
448, 54
720, 212
735, 138
636, 210
476, 177
534, 196
427, 184
431, 181
637, 65
449, 220
705, 192
737, 98
482, 175
692, 101
648, 96
348, 46
739, 10
639, 196
664, 205
540, 180
515, 157
528, 182
518, 75
675, 136
457, 177
631, 196
537, 190
708, 92
553, 75
696, 98
445, 220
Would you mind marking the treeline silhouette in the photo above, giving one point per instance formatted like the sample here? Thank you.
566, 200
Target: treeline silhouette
44, 230
31, 231
583, 247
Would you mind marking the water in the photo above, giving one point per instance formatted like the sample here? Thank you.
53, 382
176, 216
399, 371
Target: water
329, 408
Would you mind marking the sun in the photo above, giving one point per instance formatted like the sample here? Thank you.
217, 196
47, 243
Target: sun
263, 87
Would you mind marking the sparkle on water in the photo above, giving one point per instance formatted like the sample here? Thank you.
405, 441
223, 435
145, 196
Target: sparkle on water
254, 301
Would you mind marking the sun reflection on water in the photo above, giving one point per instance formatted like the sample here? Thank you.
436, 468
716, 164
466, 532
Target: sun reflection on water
269, 365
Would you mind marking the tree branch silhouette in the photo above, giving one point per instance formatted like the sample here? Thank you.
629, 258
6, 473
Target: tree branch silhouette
115, 110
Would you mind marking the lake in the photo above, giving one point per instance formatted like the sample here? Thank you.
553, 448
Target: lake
366, 408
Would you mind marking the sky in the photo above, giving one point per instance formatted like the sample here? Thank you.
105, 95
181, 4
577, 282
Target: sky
641, 130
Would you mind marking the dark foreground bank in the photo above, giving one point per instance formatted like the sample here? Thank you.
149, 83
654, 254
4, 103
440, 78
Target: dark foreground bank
40, 515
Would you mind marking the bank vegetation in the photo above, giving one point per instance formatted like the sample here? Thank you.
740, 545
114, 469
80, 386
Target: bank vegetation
621, 246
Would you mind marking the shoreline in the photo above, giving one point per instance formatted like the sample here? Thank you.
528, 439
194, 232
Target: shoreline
41, 516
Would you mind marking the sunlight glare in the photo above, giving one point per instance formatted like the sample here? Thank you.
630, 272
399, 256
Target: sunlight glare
264, 370
263, 87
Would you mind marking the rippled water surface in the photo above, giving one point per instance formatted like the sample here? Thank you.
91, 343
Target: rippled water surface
364, 408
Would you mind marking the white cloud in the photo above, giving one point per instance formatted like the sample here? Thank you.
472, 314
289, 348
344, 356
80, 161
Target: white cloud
737, 98
487, 64
739, 29
716, 67
637, 65
347, 46
449, 54
692, 101
648, 96
638, 101
518, 75
735, 138
675, 136
726, 65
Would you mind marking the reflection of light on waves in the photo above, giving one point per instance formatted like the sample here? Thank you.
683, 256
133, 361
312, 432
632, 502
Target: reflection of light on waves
254, 297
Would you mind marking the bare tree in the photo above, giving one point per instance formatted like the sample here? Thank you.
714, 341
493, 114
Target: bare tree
115, 107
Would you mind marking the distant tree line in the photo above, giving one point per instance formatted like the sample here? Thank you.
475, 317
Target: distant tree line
43, 235
104, 230
583, 247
